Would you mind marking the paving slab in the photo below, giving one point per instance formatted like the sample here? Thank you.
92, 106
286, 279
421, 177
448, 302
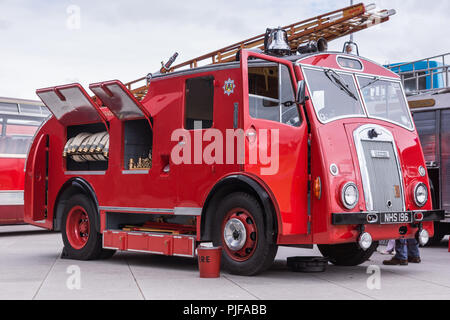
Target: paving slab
31, 268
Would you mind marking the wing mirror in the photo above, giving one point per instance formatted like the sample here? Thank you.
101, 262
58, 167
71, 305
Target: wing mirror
301, 92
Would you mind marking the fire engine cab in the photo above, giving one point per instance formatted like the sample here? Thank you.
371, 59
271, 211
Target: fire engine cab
318, 148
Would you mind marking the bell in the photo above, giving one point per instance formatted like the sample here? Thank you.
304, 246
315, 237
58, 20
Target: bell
276, 42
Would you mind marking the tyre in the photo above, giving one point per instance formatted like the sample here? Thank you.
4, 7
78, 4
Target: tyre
348, 254
240, 230
79, 233
440, 231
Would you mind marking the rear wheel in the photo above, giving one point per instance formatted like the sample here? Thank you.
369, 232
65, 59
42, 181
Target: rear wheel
348, 254
79, 234
241, 231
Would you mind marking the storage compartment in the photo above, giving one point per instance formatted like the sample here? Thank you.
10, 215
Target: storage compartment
138, 147
87, 148
156, 234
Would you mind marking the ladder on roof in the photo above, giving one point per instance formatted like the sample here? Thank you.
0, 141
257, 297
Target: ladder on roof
330, 26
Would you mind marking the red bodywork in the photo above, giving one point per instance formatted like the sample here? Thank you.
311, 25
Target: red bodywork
189, 186
11, 181
14, 139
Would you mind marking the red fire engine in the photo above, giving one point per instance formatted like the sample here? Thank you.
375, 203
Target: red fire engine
19, 121
345, 165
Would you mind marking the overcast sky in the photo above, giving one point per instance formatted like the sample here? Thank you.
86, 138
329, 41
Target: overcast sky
42, 45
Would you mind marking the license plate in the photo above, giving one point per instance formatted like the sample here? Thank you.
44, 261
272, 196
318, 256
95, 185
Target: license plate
396, 217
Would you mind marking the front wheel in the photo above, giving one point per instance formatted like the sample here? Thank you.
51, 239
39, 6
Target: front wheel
348, 254
241, 231
79, 233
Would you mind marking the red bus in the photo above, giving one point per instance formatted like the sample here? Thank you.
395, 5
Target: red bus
19, 121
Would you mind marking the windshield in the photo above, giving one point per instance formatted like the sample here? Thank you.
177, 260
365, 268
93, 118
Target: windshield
385, 100
334, 95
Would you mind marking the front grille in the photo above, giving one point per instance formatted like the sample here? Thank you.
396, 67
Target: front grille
384, 179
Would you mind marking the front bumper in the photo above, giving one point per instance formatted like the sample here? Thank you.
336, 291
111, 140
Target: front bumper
379, 218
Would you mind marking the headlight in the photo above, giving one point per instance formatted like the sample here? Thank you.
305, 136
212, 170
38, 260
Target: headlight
350, 195
420, 194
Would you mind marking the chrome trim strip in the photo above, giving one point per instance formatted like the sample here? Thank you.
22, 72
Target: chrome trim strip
188, 211
360, 135
11, 198
143, 210
135, 172
179, 211
85, 173
184, 255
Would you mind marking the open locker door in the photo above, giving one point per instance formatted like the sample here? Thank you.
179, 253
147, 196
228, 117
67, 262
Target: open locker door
39, 166
120, 100
71, 105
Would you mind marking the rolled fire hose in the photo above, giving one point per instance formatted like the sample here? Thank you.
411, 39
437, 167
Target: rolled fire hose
88, 147
66, 148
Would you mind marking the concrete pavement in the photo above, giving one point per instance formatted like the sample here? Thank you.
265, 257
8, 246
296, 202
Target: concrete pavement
31, 268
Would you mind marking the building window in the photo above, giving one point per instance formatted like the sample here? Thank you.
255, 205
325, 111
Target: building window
199, 103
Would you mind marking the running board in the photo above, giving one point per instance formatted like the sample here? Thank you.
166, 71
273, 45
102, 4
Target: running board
148, 242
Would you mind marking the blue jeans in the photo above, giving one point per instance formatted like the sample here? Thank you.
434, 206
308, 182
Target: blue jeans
407, 248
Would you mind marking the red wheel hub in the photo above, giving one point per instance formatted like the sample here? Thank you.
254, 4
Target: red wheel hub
77, 227
239, 234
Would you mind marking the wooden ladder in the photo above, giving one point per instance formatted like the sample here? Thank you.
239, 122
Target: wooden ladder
330, 26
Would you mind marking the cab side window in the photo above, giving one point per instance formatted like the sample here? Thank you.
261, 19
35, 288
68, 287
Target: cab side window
271, 94
199, 102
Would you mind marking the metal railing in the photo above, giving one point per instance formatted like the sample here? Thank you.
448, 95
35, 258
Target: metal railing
430, 73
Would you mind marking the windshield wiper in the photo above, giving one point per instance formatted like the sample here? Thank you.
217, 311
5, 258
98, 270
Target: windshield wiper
339, 82
375, 80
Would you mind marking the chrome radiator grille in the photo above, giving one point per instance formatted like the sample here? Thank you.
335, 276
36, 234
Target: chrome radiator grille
384, 178
380, 169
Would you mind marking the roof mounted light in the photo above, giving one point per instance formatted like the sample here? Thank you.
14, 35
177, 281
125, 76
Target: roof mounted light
276, 42
312, 46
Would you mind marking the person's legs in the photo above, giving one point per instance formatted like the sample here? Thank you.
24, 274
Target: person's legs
401, 250
413, 251
401, 256
390, 246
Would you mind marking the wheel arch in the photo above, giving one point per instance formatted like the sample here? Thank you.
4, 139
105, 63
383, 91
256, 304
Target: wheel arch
239, 183
70, 188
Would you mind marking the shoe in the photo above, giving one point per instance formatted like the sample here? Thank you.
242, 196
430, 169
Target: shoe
387, 253
395, 262
414, 259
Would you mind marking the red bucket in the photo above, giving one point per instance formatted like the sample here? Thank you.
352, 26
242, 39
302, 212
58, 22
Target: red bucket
209, 261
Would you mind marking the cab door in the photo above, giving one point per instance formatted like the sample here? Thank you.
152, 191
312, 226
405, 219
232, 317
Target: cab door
276, 138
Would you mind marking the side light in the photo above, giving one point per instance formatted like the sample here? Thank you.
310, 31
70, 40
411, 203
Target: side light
317, 188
